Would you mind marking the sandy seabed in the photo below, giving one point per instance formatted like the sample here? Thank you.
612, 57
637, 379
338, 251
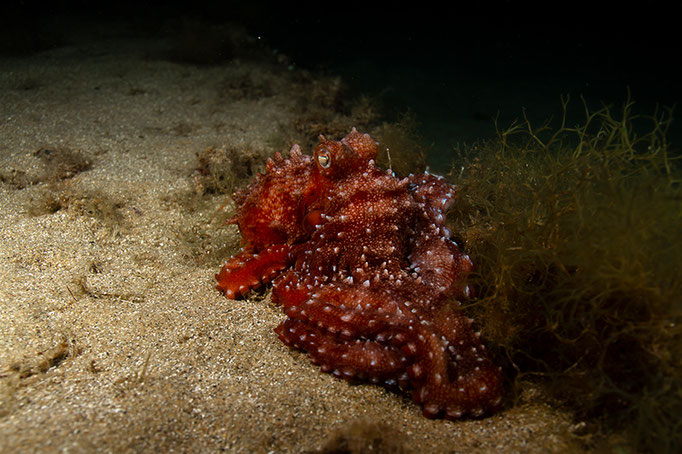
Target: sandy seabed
112, 335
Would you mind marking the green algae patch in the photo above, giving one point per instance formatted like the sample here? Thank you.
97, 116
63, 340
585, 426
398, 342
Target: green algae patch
576, 235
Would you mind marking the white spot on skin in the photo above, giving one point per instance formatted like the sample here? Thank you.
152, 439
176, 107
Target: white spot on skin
432, 409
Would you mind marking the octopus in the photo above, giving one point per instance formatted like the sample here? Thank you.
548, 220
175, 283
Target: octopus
363, 265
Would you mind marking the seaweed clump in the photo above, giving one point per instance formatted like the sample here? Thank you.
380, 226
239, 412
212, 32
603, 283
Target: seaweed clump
220, 169
51, 165
575, 233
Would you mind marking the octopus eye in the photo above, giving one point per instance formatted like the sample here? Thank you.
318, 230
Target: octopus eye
324, 158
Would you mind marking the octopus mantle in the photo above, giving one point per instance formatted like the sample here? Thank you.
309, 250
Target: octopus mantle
362, 264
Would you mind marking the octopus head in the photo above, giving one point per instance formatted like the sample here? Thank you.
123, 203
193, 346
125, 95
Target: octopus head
335, 160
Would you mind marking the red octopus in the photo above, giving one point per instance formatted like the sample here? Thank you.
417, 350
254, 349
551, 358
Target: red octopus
363, 266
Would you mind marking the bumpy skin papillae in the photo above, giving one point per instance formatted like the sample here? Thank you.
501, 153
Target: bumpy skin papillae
365, 271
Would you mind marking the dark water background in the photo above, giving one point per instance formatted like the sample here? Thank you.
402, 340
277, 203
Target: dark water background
459, 68
455, 67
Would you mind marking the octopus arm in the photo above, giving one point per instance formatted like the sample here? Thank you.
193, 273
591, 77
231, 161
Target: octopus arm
442, 265
345, 358
452, 376
344, 310
434, 194
247, 271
